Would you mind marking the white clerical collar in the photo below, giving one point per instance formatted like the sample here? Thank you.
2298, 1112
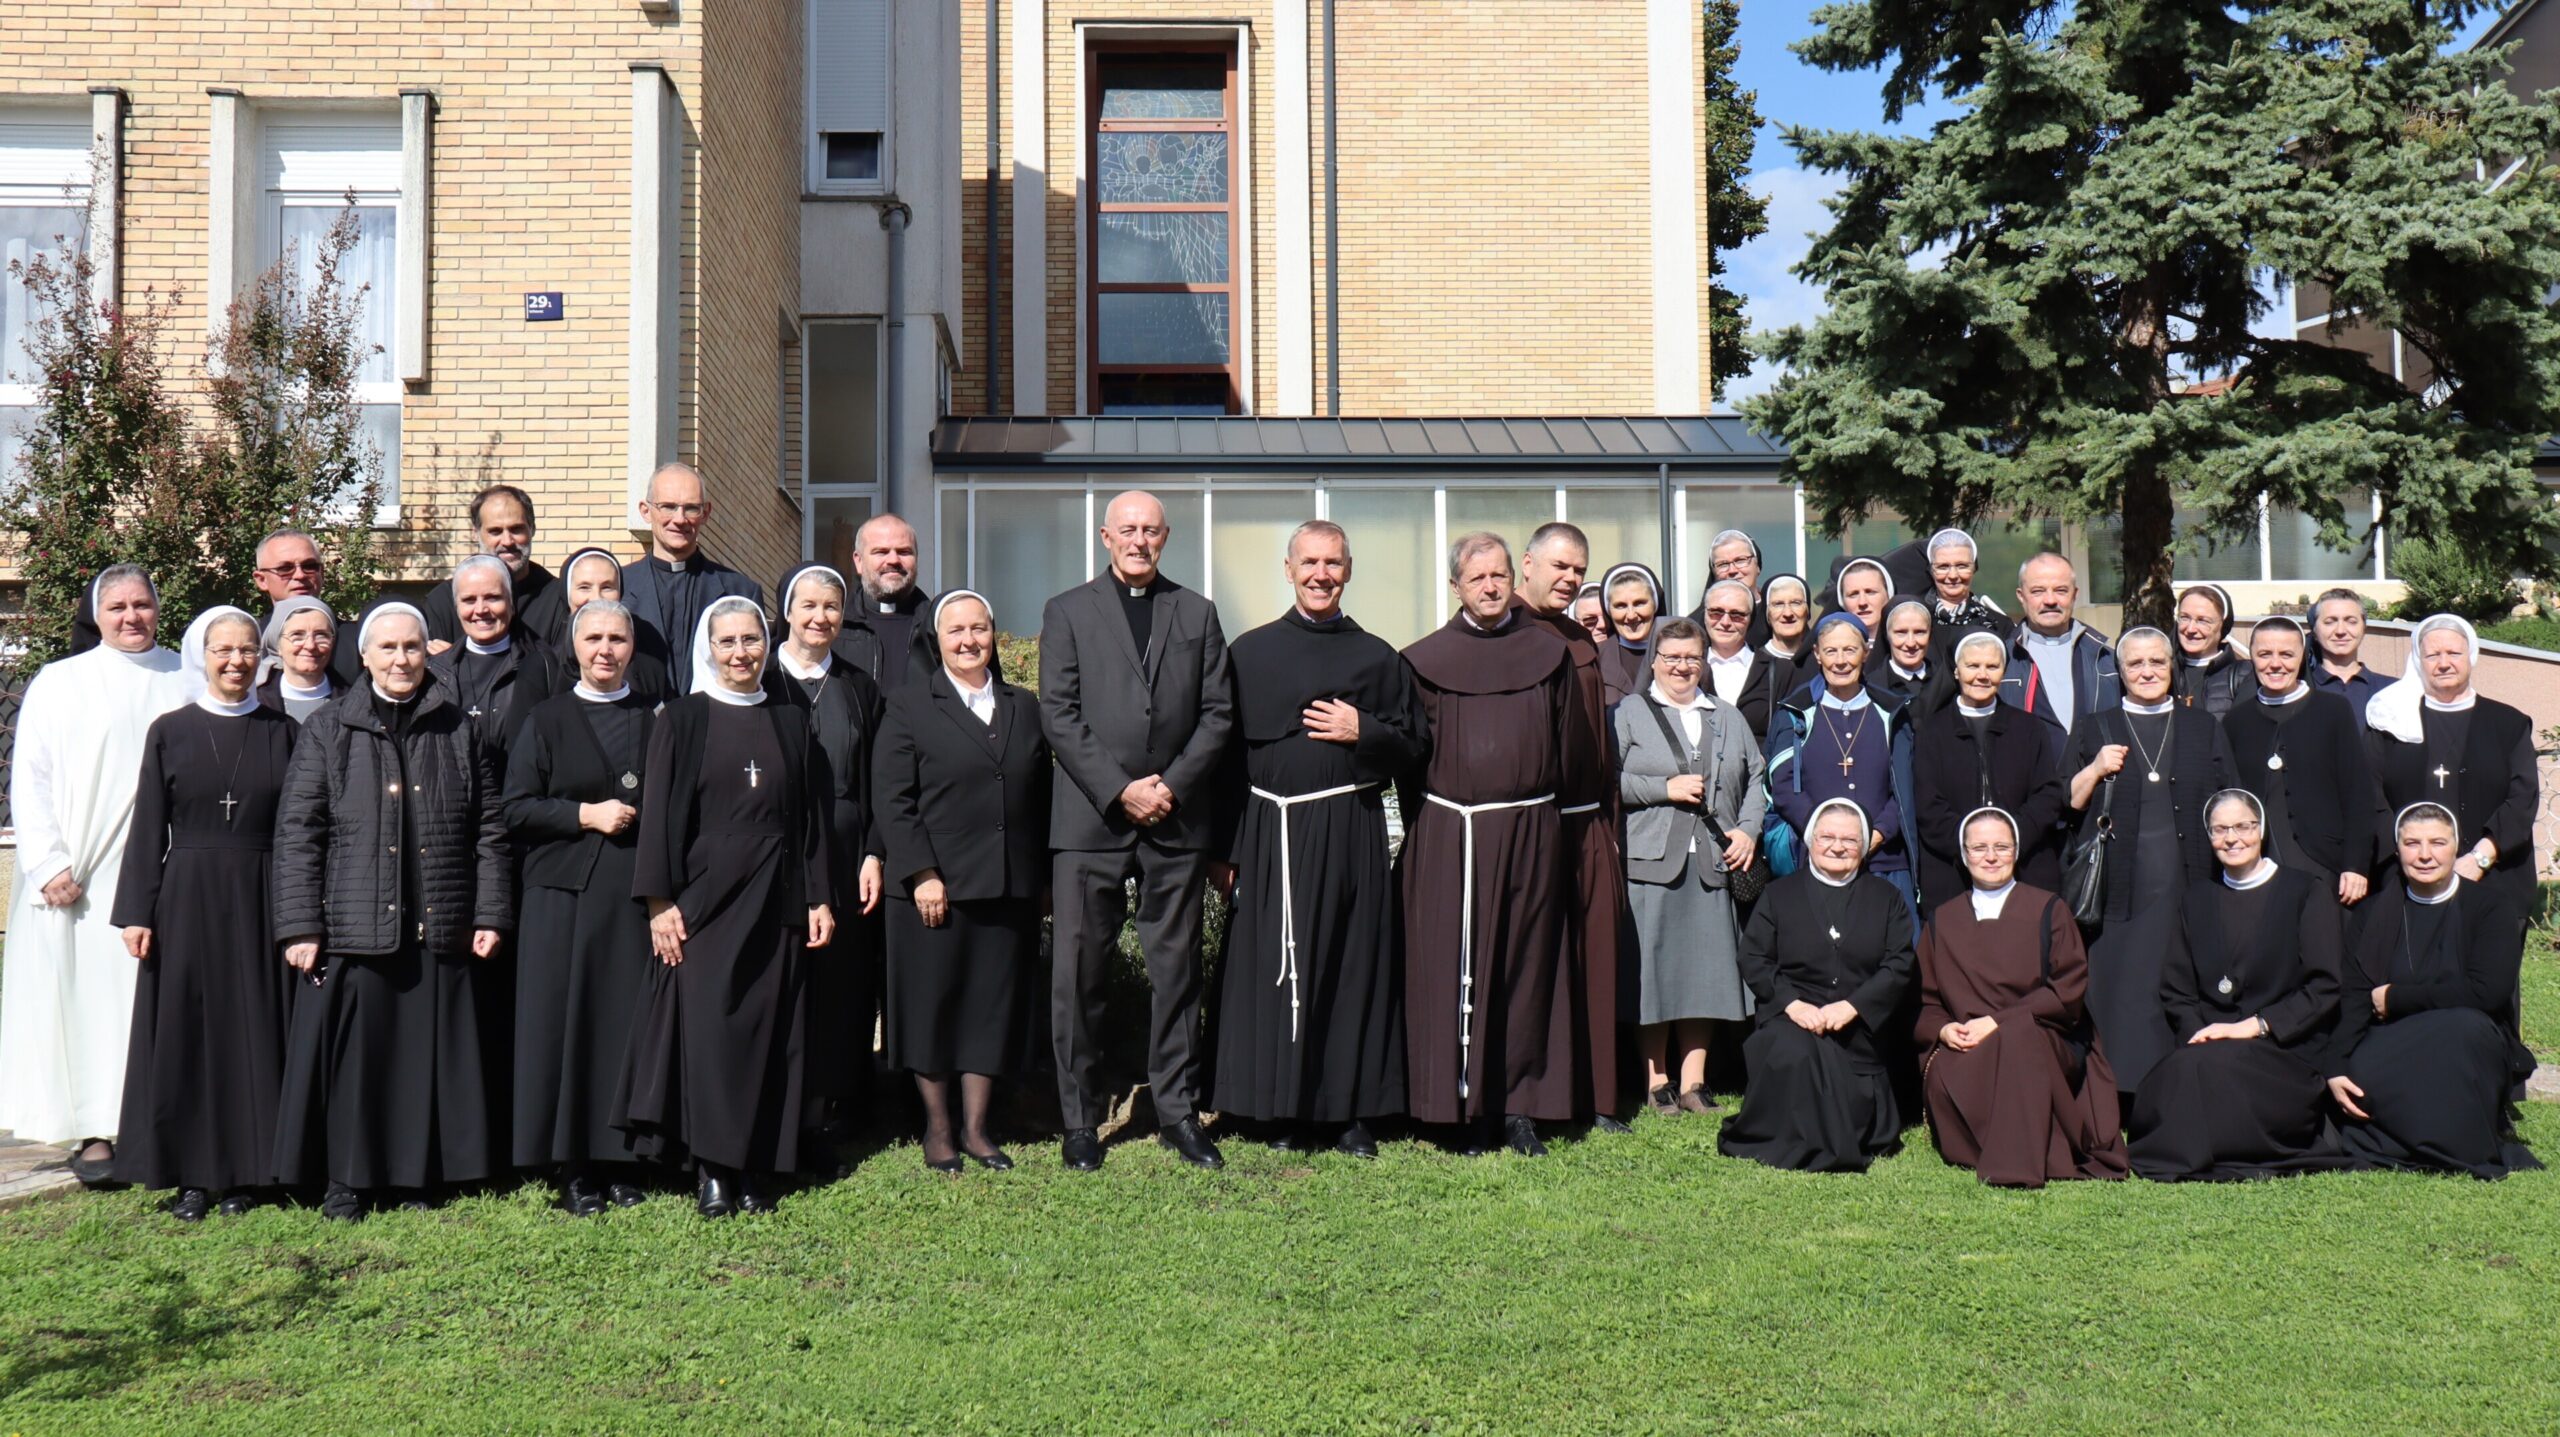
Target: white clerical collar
792, 665
722, 693
1135, 591
1823, 877
1987, 902
2451, 884
1850, 704
2132, 707
286, 687
1697, 701
887, 606
986, 679
674, 566
594, 697
2066, 636
219, 709
504, 643
1969, 711
2296, 694
2455, 706
2258, 876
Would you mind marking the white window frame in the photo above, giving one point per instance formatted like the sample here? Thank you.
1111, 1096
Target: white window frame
812, 491
376, 184
814, 138
71, 189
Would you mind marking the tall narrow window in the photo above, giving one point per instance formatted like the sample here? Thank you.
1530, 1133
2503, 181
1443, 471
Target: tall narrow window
1162, 333
839, 433
310, 169
44, 197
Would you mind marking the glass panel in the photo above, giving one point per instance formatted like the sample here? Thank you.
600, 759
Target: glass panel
2000, 546
1514, 514
1163, 249
1163, 328
382, 426
1882, 531
1186, 550
853, 157
843, 403
2297, 552
1766, 512
28, 232
1399, 579
2204, 554
1161, 167
13, 421
1032, 544
1165, 87
833, 521
369, 272
1250, 543
1164, 394
1625, 525
951, 556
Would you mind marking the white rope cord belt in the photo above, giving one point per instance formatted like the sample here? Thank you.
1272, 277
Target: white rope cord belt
1467, 924
1288, 892
1579, 809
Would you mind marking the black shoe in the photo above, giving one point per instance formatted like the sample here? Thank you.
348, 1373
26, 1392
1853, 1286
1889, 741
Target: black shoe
993, 1159
951, 1164
1184, 1136
342, 1204
625, 1194
714, 1193
581, 1197
239, 1201
190, 1205
93, 1172
1475, 1139
1356, 1141
1607, 1124
1082, 1150
755, 1193
1521, 1136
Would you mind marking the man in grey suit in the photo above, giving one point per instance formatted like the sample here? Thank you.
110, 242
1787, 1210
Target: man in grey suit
1135, 696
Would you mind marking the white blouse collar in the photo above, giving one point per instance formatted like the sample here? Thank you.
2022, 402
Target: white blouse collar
791, 664
286, 687
1987, 902
1697, 701
504, 643
1822, 877
219, 709
593, 697
2161, 707
1969, 711
2456, 706
2257, 878
2450, 889
720, 693
2301, 690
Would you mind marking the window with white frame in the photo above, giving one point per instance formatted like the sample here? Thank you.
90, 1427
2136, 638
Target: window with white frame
840, 392
849, 96
44, 198
310, 170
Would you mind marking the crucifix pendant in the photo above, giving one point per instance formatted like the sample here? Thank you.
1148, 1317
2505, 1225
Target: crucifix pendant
1846, 763
228, 803
2441, 774
752, 773
475, 712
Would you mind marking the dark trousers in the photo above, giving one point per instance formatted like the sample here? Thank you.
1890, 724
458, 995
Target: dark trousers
1089, 903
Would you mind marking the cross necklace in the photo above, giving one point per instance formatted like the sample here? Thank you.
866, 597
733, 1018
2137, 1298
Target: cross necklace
229, 803
752, 773
2441, 774
1848, 760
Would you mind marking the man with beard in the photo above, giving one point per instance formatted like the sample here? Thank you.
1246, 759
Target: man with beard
1489, 999
1551, 568
502, 525
1310, 1030
881, 635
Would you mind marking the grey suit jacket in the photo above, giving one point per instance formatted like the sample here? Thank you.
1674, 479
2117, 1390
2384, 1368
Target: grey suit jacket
1658, 831
1114, 715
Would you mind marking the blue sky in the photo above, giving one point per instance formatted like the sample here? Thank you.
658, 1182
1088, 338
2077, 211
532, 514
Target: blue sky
1792, 92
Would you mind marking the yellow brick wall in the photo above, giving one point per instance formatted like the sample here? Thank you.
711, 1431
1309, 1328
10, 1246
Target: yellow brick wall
531, 188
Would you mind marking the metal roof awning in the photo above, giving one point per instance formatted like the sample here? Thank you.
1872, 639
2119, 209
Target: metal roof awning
1634, 444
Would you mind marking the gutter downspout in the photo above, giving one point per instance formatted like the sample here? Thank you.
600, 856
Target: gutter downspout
1332, 233
995, 199
893, 497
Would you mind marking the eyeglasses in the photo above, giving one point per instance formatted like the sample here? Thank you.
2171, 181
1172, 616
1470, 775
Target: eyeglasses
1678, 662
287, 571
1991, 850
735, 643
682, 511
1739, 616
232, 654
2232, 830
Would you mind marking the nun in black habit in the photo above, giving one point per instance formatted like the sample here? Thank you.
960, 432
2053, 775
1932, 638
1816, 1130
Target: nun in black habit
2425, 1051
2251, 989
2210, 675
2302, 751
572, 804
212, 1000
733, 863
842, 703
1828, 954
589, 575
2438, 742
498, 672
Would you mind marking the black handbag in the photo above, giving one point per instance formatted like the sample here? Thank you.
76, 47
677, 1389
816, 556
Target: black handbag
1747, 883
2084, 862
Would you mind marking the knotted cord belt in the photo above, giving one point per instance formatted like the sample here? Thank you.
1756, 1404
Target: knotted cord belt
1467, 923
1288, 891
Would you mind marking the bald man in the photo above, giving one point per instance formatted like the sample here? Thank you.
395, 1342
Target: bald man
1136, 700
668, 589
882, 635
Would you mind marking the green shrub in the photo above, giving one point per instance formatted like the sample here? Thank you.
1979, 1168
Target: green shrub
2447, 578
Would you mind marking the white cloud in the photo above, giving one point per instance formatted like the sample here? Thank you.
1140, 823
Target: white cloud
1759, 269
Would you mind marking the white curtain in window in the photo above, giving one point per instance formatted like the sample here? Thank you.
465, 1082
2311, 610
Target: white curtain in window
28, 232
372, 264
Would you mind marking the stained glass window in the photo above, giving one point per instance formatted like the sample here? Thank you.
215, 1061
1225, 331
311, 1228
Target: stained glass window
1165, 87
1163, 249
1162, 331
1148, 167
1163, 328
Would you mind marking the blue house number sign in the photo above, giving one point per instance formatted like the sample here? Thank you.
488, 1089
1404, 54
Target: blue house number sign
543, 305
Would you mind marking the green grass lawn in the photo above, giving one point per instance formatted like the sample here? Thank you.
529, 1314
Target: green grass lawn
1623, 1283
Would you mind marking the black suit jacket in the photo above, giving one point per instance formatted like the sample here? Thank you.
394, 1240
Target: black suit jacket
1113, 715
640, 596
951, 795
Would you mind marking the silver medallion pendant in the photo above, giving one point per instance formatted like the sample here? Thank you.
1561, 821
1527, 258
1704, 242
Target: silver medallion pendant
2153, 775
2275, 760
1835, 935
631, 780
2223, 987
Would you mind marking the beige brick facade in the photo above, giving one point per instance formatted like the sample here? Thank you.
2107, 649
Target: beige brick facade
531, 191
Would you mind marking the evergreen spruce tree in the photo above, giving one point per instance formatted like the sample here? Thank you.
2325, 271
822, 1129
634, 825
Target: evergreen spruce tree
1734, 214
2014, 294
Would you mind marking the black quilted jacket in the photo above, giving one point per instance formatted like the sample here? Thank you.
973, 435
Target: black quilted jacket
337, 867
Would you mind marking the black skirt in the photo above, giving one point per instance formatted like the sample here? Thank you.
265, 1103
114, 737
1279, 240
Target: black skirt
2435, 1084
2230, 1110
1814, 1104
390, 1078
964, 997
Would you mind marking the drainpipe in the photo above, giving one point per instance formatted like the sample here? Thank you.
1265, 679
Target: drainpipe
995, 194
893, 408
1332, 234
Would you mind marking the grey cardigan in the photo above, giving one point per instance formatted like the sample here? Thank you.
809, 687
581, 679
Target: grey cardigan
1659, 832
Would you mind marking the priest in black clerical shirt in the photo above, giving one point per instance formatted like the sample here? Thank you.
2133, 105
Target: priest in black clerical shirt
885, 634
502, 525
669, 589
1310, 1009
